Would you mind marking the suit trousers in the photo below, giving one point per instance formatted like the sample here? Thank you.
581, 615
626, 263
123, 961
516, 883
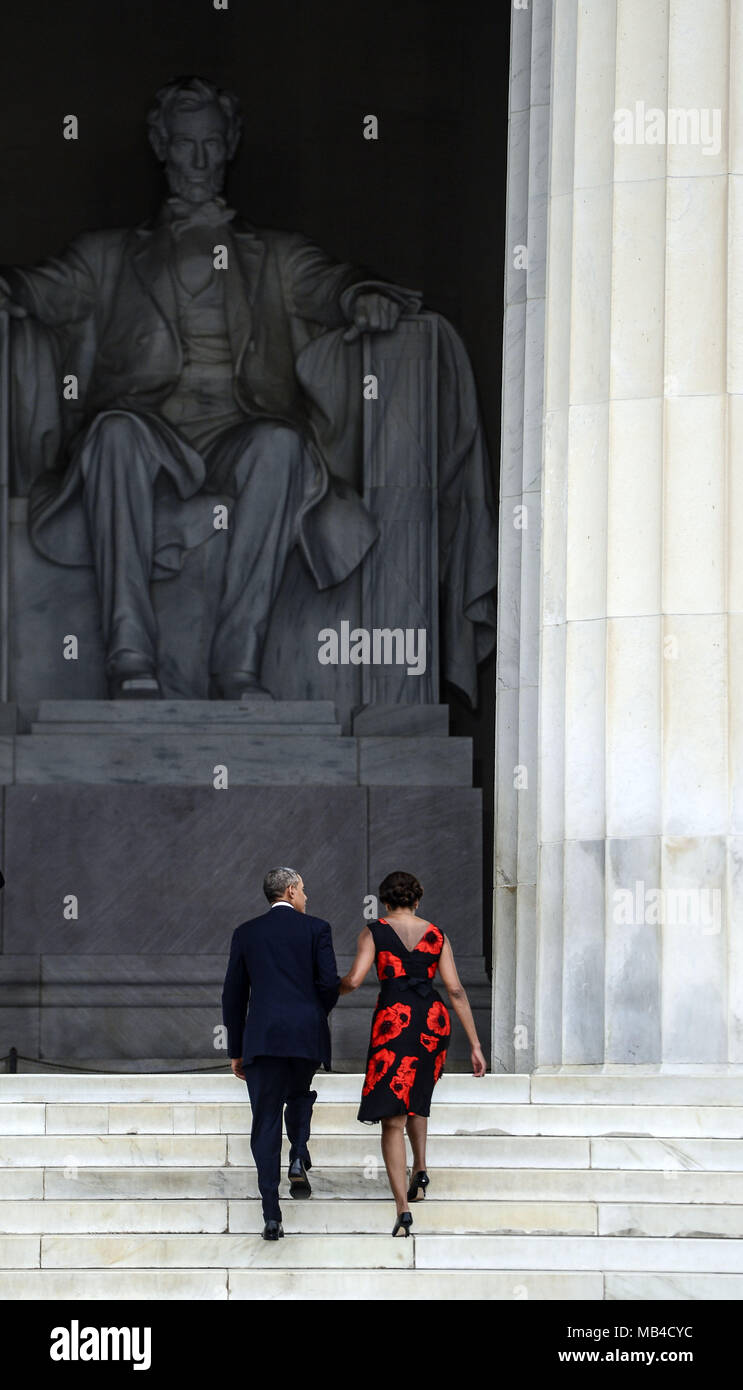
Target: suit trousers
274, 1083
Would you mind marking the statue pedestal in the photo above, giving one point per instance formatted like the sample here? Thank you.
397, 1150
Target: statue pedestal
127, 868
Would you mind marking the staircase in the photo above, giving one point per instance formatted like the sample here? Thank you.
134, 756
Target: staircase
581, 1185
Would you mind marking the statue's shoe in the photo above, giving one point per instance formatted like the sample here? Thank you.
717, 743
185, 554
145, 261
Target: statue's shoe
240, 685
134, 685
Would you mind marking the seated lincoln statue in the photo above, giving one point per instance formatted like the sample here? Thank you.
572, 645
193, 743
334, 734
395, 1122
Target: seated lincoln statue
186, 336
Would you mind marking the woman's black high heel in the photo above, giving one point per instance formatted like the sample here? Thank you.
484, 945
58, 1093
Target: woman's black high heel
419, 1180
403, 1223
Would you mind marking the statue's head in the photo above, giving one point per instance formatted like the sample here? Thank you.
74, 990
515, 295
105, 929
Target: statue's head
194, 129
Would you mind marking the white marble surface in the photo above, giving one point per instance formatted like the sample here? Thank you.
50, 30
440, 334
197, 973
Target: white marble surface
699, 75
221, 1251
641, 664
642, 1287
634, 530
115, 1285
577, 1252
545, 1185
514, 937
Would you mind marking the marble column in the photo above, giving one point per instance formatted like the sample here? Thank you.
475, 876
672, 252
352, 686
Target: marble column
514, 944
640, 711
618, 891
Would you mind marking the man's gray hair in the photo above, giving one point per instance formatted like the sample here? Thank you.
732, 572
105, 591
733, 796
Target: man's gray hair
277, 881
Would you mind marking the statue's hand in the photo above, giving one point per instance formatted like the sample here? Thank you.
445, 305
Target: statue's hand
16, 311
373, 313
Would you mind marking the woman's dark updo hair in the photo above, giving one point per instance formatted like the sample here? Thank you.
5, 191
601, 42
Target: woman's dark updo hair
400, 890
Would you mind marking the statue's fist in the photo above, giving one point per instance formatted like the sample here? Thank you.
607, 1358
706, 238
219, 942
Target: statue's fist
16, 311
373, 313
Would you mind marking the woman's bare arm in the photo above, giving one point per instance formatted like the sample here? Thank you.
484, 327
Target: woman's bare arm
360, 968
461, 1005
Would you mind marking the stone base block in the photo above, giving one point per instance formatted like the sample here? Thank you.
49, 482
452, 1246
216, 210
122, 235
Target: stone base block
120, 903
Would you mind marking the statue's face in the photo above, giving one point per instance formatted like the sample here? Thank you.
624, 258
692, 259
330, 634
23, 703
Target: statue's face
196, 155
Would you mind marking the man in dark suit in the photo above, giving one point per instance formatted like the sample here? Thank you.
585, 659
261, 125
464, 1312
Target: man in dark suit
282, 965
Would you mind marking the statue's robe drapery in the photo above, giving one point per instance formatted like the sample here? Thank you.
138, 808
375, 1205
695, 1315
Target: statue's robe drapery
109, 305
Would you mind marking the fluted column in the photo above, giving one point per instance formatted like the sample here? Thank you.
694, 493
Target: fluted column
641, 647
514, 943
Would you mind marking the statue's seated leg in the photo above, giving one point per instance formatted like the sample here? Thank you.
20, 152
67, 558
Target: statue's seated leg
119, 460
270, 472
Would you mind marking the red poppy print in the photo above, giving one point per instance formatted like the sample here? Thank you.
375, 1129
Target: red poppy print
389, 1023
431, 941
404, 1078
438, 1065
437, 1019
433, 967
389, 967
376, 1068
429, 1041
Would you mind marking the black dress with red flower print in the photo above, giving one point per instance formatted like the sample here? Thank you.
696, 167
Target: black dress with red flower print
410, 1028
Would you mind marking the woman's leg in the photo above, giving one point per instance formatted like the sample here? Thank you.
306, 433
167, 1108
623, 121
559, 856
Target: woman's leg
395, 1158
417, 1127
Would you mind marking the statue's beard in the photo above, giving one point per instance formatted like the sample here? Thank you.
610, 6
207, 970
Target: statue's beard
206, 185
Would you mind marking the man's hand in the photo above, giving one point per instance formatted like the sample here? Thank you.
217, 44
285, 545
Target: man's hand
237, 1067
16, 311
373, 313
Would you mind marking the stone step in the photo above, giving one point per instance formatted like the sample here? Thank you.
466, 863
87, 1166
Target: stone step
176, 726
329, 1117
422, 1251
604, 1253
343, 1150
334, 1150
529, 1151
725, 1155
70, 1152
622, 1186
669, 1220
195, 1251
162, 758
325, 1285
402, 719
219, 1087
356, 1215
645, 1287
192, 712
309, 1217
329, 1285
669, 1089
34, 1217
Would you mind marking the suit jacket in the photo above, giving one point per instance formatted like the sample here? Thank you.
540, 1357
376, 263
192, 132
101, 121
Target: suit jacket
282, 970
110, 298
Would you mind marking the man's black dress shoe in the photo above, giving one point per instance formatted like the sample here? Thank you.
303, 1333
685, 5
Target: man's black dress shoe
273, 1230
299, 1183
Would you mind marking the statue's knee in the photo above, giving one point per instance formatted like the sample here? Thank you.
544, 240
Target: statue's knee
115, 424
118, 439
277, 442
274, 452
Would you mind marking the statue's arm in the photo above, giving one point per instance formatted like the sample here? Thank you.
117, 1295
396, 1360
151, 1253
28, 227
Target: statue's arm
60, 290
319, 288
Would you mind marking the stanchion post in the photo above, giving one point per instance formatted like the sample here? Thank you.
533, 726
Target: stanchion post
4, 499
